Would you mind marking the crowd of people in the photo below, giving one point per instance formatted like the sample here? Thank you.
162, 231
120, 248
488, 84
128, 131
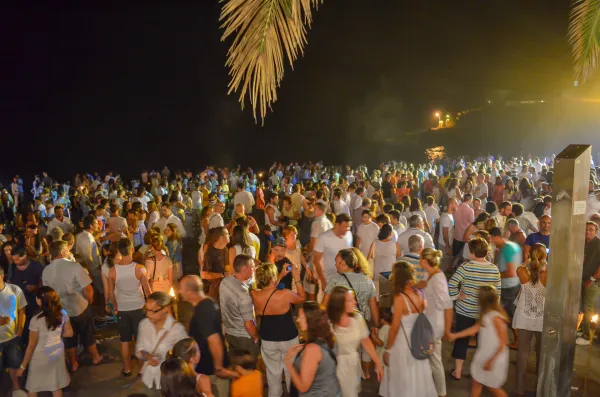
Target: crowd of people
314, 276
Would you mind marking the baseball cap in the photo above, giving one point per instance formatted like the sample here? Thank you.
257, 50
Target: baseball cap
279, 242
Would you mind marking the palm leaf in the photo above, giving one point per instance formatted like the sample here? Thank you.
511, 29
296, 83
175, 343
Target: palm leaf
264, 32
584, 36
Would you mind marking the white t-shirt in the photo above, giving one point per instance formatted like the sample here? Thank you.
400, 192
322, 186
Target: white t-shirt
12, 300
480, 191
116, 224
215, 220
144, 200
196, 200
432, 214
329, 245
319, 225
244, 197
367, 234
446, 220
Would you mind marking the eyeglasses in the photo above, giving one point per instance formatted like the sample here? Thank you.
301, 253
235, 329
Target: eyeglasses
153, 311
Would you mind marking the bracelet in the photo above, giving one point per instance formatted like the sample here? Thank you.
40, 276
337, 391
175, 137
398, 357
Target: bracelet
388, 350
22, 367
297, 282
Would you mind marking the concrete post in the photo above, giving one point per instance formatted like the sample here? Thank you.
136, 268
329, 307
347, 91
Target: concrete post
563, 288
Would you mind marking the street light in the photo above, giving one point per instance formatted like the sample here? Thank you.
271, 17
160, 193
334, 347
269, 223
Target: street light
437, 114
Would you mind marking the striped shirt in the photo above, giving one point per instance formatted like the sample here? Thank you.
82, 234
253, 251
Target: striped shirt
469, 277
414, 259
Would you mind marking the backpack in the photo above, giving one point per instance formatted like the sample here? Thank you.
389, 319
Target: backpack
421, 339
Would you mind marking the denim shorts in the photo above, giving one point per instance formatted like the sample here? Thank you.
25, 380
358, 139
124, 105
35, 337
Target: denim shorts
11, 353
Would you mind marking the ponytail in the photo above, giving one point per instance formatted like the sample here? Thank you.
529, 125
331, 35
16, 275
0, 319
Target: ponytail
537, 262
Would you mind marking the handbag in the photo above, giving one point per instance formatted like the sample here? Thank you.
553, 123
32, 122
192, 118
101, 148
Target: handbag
156, 346
356, 299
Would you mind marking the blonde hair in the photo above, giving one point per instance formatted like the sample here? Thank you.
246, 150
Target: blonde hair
287, 230
537, 261
265, 274
489, 300
432, 256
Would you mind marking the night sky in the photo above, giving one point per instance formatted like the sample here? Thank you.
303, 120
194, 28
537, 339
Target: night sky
129, 87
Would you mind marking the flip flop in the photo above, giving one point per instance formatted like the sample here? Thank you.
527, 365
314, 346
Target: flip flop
125, 374
450, 374
105, 360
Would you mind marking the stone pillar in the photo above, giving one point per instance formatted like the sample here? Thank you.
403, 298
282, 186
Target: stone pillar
563, 288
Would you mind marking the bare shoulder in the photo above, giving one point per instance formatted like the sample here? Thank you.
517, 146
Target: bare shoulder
313, 350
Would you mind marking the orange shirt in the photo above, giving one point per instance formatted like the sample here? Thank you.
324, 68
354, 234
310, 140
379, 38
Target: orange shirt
250, 385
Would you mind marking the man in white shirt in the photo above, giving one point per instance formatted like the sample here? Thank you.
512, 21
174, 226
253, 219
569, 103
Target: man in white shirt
504, 210
196, 202
327, 247
395, 218
143, 198
216, 219
415, 224
447, 233
87, 250
12, 322
366, 233
74, 288
60, 221
244, 197
432, 212
168, 217
481, 190
339, 205
357, 199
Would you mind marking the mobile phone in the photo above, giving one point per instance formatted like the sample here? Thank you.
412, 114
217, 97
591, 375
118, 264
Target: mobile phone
289, 268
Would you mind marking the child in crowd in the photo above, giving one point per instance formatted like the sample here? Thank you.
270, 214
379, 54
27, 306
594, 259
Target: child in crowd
490, 362
187, 349
380, 336
250, 382
266, 240
175, 250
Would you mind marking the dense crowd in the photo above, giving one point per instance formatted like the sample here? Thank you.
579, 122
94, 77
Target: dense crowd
317, 275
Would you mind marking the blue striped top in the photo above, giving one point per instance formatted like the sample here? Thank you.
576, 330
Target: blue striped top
468, 278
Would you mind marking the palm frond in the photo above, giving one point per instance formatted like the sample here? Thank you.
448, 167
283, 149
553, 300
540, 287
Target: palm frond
584, 36
265, 33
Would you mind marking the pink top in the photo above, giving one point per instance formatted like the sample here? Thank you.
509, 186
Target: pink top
463, 217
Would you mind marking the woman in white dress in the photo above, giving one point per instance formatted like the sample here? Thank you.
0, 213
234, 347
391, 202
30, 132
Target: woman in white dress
45, 353
384, 252
351, 332
159, 266
490, 362
529, 315
439, 312
410, 377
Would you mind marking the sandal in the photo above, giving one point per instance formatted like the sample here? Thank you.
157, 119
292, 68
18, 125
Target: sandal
105, 360
125, 374
451, 374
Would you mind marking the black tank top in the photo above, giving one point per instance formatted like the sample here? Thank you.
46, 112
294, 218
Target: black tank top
214, 260
277, 327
